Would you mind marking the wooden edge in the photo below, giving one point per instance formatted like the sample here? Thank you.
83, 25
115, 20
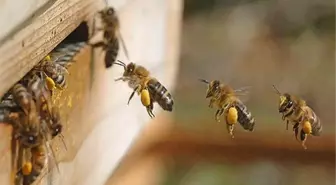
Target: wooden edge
35, 41
170, 142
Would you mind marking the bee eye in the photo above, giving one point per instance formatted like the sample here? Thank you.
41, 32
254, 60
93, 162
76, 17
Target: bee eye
110, 12
31, 139
290, 103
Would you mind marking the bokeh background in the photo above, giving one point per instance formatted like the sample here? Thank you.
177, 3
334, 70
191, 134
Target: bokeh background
256, 43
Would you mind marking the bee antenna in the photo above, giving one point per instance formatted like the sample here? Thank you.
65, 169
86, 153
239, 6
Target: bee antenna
120, 63
62, 139
204, 81
276, 90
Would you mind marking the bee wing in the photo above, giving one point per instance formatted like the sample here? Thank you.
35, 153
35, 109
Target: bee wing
122, 43
243, 93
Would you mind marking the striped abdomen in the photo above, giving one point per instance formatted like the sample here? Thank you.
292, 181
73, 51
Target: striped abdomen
22, 97
244, 116
160, 95
39, 161
315, 123
60, 80
111, 50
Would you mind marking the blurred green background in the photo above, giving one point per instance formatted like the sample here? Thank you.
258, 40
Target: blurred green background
255, 43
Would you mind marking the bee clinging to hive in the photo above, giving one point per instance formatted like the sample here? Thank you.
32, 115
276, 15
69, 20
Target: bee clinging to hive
228, 103
294, 110
111, 37
26, 123
149, 88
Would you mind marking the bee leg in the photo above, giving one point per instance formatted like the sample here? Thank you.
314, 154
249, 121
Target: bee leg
121, 78
287, 125
217, 114
303, 138
230, 128
211, 103
150, 110
296, 130
135, 90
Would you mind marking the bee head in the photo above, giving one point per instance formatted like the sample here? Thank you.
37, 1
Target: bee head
285, 102
108, 11
213, 87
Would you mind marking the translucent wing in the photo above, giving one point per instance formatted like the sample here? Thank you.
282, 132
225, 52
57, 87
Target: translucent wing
122, 43
243, 93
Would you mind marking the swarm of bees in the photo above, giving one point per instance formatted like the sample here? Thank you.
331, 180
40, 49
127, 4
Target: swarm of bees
28, 108
226, 99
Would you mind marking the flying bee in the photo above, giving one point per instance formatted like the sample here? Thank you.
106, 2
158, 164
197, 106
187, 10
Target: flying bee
111, 36
149, 88
294, 110
227, 102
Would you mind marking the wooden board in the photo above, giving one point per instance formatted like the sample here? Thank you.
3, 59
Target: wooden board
30, 44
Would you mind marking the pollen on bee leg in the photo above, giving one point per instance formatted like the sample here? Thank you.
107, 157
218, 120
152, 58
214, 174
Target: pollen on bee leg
27, 168
145, 98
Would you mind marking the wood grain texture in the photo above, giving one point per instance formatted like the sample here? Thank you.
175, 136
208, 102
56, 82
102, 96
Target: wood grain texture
29, 45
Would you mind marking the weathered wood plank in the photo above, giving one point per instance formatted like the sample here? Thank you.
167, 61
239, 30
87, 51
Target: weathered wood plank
30, 45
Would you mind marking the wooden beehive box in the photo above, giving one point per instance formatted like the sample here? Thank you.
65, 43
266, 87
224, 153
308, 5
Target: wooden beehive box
99, 126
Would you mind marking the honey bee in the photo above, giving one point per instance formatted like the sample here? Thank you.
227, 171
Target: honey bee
112, 36
295, 111
227, 102
52, 72
30, 164
49, 114
149, 88
26, 122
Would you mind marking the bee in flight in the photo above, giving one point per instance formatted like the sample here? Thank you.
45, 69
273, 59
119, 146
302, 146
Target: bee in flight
294, 110
149, 88
227, 102
111, 36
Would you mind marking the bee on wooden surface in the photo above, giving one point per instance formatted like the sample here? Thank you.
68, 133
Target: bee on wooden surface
295, 111
149, 88
30, 164
49, 114
26, 123
111, 36
228, 103
52, 72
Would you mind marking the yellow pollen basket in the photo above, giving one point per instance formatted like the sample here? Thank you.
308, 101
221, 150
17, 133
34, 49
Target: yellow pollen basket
232, 116
50, 83
27, 168
48, 58
145, 98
